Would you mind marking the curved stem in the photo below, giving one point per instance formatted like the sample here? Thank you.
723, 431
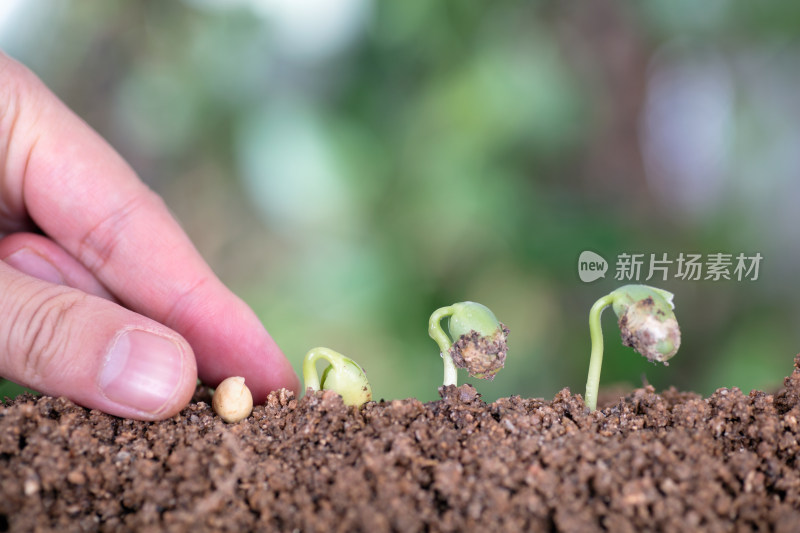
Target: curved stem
596, 357
437, 334
310, 376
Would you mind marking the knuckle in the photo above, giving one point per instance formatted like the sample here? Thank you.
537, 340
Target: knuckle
10, 90
97, 246
185, 298
41, 331
18, 139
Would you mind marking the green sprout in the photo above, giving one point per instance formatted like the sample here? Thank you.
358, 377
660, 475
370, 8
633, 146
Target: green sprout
342, 375
647, 324
480, 345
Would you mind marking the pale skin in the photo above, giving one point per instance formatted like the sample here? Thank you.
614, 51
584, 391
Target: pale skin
103, 298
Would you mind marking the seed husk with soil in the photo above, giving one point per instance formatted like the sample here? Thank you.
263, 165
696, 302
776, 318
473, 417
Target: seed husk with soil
671, 461
482, 356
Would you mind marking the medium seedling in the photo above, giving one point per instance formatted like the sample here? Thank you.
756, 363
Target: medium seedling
342, 375
647, 324
480, 345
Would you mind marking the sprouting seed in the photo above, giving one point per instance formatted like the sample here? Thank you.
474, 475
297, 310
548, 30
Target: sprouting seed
647, 324
481, 341
342, 375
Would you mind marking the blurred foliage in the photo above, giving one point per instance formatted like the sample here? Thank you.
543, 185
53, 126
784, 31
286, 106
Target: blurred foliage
9, 389
347, 175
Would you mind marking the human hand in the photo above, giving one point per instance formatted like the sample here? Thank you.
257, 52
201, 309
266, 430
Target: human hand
112, 306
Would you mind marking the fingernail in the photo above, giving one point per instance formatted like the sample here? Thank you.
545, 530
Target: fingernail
142, 370
27, 261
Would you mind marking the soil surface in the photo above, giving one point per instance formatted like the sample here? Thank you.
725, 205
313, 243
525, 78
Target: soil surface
667, 462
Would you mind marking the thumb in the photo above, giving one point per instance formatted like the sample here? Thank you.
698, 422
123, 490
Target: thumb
64, 342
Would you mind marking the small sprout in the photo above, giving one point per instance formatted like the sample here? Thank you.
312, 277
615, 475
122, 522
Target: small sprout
342, 375
232, 400
647, 324
481, 340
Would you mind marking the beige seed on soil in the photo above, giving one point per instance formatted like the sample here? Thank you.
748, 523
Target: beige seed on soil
232, 400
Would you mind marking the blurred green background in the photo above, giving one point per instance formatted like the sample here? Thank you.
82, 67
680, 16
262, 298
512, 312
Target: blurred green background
348, 166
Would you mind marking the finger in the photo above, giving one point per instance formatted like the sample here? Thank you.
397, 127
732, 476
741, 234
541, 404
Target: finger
41, 258
62, 175
64, 342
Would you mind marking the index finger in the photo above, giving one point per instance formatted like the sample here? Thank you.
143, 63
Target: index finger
59, 173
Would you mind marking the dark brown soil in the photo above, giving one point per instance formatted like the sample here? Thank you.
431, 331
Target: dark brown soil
669, 462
